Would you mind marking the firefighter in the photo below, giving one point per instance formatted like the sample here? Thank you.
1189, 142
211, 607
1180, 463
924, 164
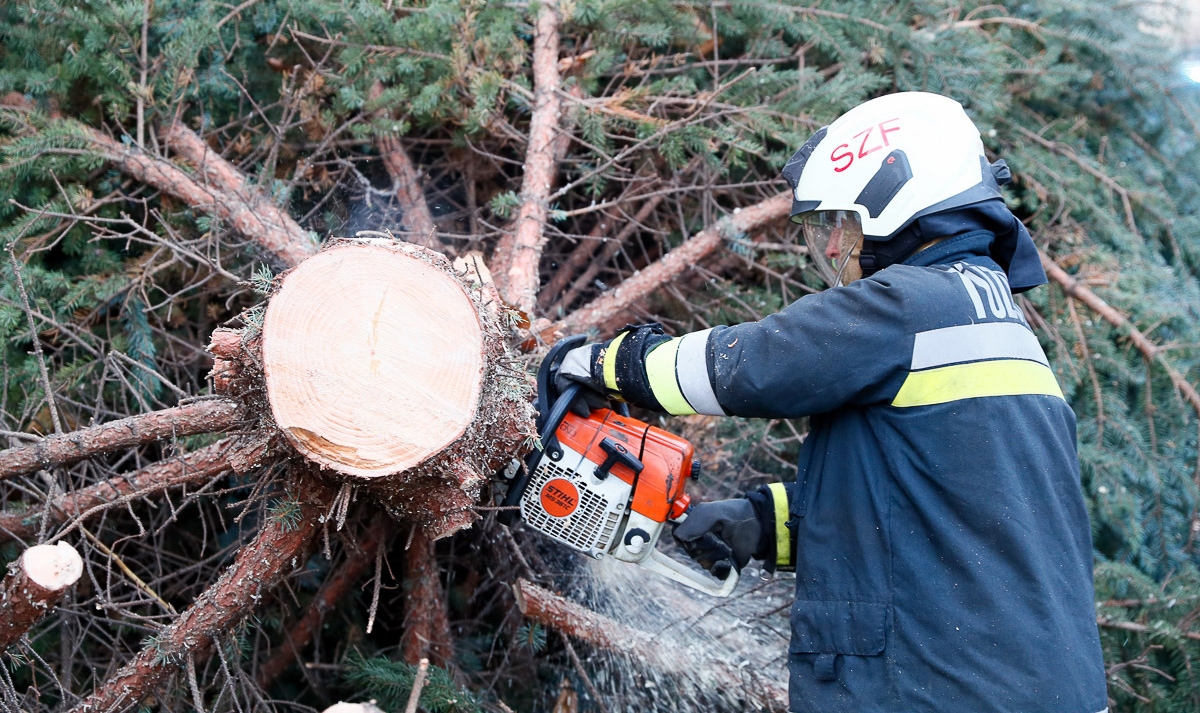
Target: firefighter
936, 525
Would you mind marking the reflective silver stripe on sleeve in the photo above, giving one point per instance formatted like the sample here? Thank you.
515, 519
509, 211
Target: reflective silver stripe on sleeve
691, 367
974, 342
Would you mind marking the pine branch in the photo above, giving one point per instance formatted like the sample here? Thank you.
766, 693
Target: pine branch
278, 549
1151, 351
333, 590
198, 466
409, 193
673, 264
427, 628
207, 416
520, 250
254, 215
36, 582
407, 186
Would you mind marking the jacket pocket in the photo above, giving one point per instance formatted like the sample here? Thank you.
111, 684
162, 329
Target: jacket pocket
838, 627
835, 658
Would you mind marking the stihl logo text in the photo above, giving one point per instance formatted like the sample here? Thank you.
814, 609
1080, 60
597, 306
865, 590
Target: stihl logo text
559, 497
869, 140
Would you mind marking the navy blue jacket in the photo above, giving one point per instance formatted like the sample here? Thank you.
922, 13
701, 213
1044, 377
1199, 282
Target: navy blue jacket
942, 548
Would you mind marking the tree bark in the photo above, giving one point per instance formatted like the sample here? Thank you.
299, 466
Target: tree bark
427, 627
255, 214
205, 416
36, 583
518, 253
640, 286
610, 250
278, 549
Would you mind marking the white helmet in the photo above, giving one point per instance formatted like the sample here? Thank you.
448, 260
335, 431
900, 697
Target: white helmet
892, 160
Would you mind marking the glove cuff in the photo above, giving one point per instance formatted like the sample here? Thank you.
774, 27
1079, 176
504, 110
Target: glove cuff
621, 364
776, 541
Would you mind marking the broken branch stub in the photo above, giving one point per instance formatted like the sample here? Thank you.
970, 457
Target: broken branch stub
384, 368
35, 584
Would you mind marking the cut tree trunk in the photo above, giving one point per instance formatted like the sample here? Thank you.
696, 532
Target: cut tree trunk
388, 370
35, 584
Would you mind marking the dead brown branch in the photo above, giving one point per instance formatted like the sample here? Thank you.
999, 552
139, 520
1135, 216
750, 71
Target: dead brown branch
207, 416
279, 548
611, 249
519, 251
640, 286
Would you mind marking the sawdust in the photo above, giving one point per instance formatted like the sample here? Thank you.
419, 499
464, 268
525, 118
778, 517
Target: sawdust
707, 654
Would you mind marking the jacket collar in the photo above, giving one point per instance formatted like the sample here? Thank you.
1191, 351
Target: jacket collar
973, 247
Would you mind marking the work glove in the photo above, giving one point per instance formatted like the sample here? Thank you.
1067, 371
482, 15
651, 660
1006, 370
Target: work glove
581, 366
720, 535
625, 356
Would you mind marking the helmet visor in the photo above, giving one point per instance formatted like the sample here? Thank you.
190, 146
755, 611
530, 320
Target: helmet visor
834, 238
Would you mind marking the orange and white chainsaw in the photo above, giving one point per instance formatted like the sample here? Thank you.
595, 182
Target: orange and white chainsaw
606, 484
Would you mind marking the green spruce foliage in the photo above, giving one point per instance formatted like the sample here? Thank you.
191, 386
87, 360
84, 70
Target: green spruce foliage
705, 101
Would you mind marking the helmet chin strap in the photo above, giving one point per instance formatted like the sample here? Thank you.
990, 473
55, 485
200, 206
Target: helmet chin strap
876, 255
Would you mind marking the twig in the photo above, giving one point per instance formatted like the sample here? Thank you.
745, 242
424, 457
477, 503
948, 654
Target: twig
235, 12
145, 70
610, 250
37, 344
375, 593
279, 546
1151, 351
415, 697
333, 589
579, 669
137, 581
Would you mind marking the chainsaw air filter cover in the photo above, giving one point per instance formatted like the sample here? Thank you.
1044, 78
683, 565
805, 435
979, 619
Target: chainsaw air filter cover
595, 471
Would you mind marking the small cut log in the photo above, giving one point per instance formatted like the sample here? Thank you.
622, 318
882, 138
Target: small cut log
36, 582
